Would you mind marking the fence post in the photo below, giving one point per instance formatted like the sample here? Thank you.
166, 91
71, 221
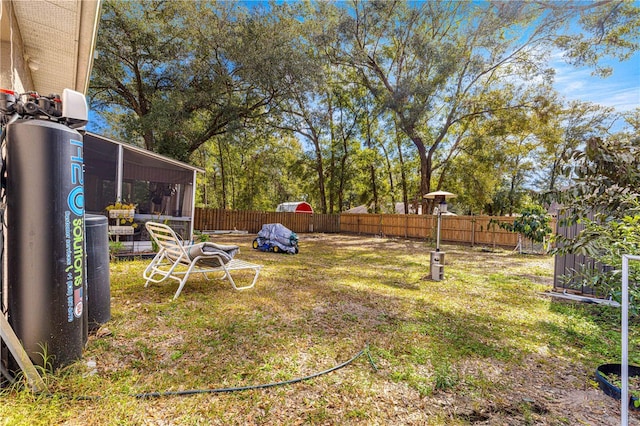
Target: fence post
473, 231
406, 226
624, 367
493, 234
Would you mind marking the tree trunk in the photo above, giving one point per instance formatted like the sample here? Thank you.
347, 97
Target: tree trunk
372, 171
390, 175
149, 140
343, 165
223, 182
332, 162
320, 171
403, 173
425, 164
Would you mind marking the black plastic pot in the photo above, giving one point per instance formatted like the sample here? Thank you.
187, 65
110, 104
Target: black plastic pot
611, 389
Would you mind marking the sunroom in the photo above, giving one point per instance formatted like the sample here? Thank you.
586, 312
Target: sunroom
123, 176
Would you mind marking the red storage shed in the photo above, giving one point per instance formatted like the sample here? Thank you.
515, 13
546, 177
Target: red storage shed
295, 207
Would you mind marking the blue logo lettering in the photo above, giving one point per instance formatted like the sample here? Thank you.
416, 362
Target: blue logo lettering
75, 200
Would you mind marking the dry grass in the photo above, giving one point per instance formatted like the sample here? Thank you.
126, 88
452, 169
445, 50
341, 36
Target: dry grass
481, 347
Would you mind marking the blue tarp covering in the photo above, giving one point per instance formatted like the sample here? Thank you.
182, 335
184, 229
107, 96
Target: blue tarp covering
277, 235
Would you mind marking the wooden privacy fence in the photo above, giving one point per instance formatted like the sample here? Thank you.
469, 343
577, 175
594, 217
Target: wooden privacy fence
570, 270
473, 230
252, 221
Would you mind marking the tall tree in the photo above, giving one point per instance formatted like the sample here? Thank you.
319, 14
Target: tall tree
431, 63
345, 113
178, 76
187, 71
137, 63
252, 169
304, 114
567, 128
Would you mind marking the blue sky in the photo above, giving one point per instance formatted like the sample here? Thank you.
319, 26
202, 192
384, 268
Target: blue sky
621, 90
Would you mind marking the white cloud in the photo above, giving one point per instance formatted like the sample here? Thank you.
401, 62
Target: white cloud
621, 90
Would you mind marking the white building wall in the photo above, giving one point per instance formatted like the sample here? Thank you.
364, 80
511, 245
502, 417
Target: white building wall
14, 72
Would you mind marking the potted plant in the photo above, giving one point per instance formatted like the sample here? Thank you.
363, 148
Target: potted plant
121, 217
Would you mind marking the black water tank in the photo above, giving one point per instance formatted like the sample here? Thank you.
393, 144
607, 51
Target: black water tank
45, 239
98, 284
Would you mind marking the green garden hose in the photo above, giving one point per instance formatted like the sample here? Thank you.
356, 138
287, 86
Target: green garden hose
262, 386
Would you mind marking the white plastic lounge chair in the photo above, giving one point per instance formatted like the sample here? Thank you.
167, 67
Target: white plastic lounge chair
177, 261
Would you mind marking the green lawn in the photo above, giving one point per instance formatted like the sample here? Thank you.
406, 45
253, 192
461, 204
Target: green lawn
483, 345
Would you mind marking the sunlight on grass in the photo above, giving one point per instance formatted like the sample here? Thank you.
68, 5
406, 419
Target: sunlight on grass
470, 340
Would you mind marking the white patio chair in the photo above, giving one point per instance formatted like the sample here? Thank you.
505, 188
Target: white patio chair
177, 261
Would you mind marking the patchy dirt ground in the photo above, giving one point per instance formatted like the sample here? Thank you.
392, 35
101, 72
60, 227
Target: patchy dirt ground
563, 392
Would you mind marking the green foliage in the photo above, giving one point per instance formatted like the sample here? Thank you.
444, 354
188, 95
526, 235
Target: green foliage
200, 237
633, 383
606, 175
115, 247
585, 276
532, 223
445, 377
178, 95
608, 29
252, 170
605, 200
605, 197
565, 128
386, 98
607, 242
